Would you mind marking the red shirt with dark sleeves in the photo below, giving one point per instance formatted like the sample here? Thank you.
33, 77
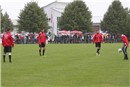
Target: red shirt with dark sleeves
7, 39
125, 40
97, 38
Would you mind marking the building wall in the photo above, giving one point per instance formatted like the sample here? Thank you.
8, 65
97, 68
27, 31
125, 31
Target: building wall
15, 23
53, 11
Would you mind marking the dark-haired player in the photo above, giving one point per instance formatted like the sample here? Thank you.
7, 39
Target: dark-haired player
8, 43
125, 45
42, 42
97, 39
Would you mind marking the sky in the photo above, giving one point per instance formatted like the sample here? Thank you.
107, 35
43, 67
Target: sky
97, 7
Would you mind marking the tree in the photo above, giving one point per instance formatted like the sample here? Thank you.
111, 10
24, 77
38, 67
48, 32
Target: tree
76, 17
32, 18
116, 19
128, 33
5, 22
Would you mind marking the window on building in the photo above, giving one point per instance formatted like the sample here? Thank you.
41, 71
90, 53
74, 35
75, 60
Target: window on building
58, 18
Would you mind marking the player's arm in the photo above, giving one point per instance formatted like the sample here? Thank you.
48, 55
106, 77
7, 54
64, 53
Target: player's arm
126, 42
45, 38
102, 40
3, 40
93, 40
38, 36
11, 40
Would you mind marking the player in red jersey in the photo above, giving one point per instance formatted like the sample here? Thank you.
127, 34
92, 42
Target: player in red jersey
42, 42
8, 43
97, 39
125, 45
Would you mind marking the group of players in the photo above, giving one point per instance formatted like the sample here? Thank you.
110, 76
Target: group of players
98, 39
8, 43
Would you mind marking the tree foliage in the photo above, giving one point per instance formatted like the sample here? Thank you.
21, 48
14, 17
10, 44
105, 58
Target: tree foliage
116, 19
5, 22
32, 18
76, 16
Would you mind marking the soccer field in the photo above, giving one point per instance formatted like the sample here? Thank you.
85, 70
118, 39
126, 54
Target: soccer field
66, 65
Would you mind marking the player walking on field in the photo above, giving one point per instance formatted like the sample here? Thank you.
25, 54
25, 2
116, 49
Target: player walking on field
125, 46
97, 39
42, 42
8, 43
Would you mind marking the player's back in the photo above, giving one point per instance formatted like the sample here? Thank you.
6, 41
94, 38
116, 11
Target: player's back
7, 39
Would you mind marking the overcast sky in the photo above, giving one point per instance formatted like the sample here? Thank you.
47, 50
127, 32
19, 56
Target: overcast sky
97, 7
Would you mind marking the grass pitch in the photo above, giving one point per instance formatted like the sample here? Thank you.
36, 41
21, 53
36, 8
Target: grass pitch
66, 65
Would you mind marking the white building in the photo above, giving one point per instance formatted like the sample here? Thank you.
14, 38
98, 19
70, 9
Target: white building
54, 11
15, 28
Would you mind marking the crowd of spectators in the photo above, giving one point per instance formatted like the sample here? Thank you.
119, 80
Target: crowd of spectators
31, 38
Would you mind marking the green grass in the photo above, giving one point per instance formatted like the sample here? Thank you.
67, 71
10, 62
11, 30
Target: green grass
66, 65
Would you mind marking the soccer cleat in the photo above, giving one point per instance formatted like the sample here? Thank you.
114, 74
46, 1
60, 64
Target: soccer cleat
97, 54
126, 58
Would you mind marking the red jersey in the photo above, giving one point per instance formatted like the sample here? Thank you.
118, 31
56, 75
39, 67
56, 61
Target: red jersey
125, 40
7, 39
97, 38
41, 38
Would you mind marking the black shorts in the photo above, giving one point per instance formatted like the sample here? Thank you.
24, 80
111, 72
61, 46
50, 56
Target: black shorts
7, 49
42, 45
98, 44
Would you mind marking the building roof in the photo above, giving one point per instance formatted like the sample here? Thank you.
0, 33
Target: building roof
55, 2
58, 10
